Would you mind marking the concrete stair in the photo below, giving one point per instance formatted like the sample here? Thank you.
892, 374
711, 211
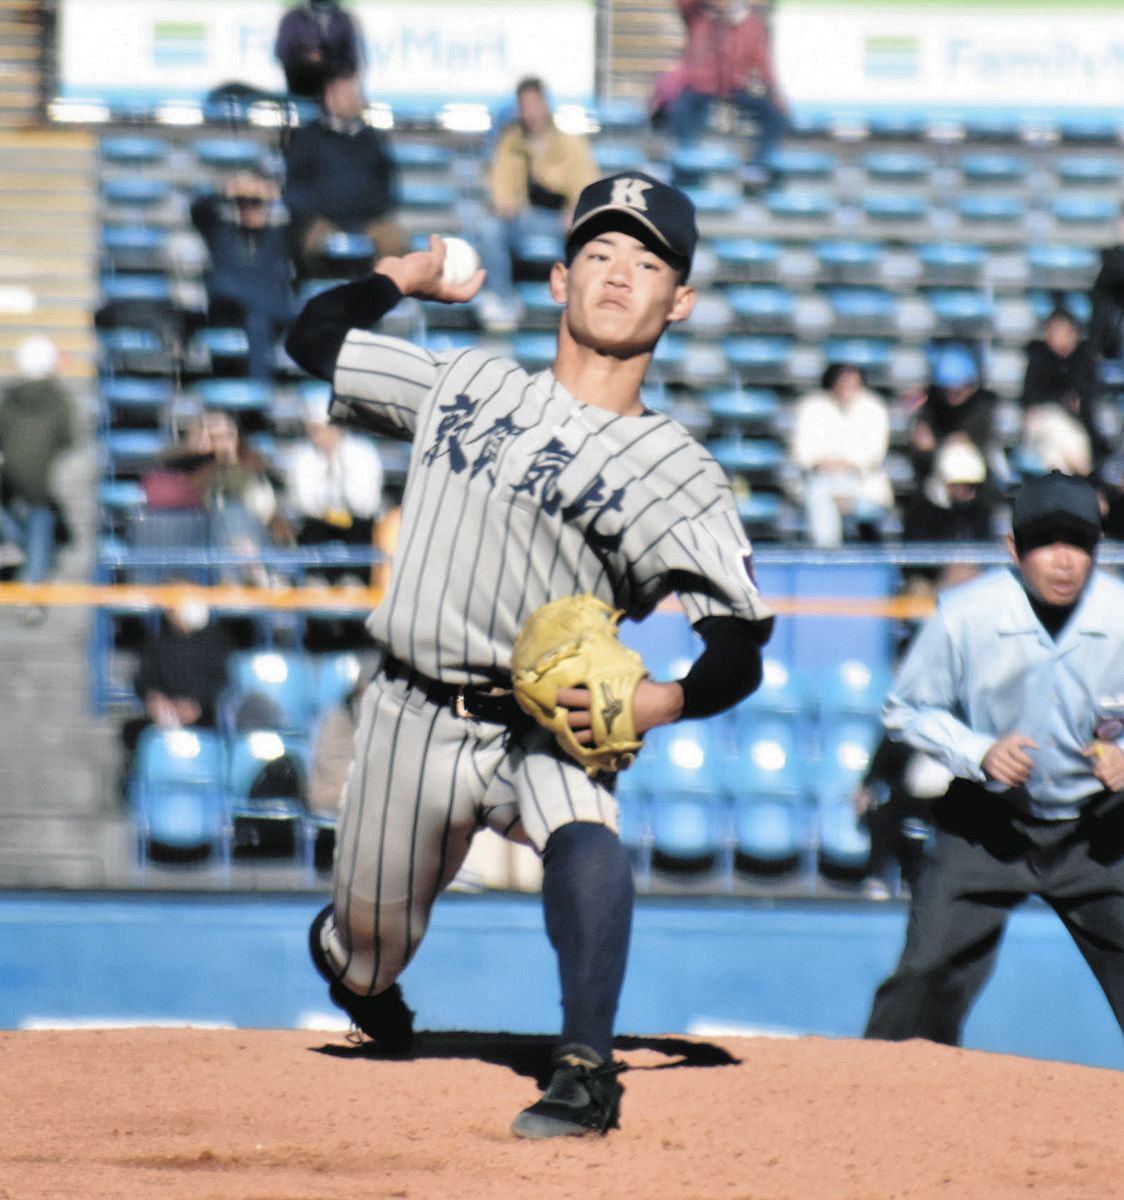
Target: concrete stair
48, 244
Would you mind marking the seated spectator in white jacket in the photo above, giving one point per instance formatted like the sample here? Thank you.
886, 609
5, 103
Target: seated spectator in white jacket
334, 482
840, 438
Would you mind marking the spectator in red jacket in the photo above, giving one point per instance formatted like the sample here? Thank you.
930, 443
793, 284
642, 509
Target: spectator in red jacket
727, 57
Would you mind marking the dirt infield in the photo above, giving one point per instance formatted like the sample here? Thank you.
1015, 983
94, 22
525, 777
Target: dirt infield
235, 1115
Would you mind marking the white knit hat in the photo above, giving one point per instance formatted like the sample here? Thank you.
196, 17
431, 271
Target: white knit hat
36, 357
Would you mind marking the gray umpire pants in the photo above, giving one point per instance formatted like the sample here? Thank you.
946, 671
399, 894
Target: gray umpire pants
984, 860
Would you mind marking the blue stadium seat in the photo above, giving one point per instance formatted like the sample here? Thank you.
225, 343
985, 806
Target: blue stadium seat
540, 250
799, 163
133, 149
688, 811
897, 123
713, 201
136, 286
769, 836
767, 756
760, 513
755, 459
285, 680
852, 687
1085, 210
869, 354
692, 164
1089, 127
847, 743
234, 395
337, 673
228, 153
347, 253
130, 451
614, 155
418, 194
899, 207
962, 309
135, 191
1062, 265
177, 794
1089, 170
1043, 302
782, 691
954, 264
135, 396
898, 166
986, 207
993, 168
849, 261
221, 343
622, 116
799, 204
862, 309
415, 155
248, 756
763, 307
741, 411
842, 842
133, 247
759, 359
746, 258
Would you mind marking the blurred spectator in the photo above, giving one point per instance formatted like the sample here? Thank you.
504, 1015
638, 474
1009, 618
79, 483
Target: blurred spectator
340, 177
950, 506
1106, 325
955, 405
181, 673
840, 438
333, 482
230, 480
36, 426
249, 278
1062, 378
536, 175
727, 57
317, 41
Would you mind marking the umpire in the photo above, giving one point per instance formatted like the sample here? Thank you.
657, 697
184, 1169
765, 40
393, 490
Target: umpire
1016, 684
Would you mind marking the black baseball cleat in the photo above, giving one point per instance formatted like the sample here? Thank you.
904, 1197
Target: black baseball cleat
584, 1096
384, 1018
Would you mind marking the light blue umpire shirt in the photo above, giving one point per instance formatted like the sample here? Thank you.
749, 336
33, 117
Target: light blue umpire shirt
983, 666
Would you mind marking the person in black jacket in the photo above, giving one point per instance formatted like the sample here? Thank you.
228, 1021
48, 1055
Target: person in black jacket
317, 41
340, 177
1106, 325
249, 277
1061, 370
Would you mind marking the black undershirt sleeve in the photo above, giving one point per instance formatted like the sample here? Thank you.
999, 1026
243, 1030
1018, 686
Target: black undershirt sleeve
728, 669
317, 335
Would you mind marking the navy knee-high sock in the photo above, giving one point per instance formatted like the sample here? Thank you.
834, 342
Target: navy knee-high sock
587, 900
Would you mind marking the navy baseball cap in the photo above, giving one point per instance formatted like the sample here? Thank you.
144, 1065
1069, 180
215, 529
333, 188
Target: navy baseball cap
661, 216
1056, 508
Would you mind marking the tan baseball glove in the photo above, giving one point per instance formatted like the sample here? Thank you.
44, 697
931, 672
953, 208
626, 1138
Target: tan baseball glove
573, 642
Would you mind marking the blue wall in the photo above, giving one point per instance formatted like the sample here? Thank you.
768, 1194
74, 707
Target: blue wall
806, 968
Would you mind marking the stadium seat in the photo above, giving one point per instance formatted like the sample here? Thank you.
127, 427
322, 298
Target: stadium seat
961, 310
135, 399
135, 191
738, 412
987, 209
133, 150
142, 286
177, 793
233, 395
622, 116
782, 691
227, 153
1060, 265
862, 310
614, 155
851, 687
699, 162
285, 681
992, 169
951, 264
757, 460
762, 307
210, 348
851, 262
133, 247
796, 204
337, 673
426, 194
898, 166
128, 452
899, 207
713, 201
272, 823
1043, 302
688, 810
415, 155
759, 359
1089, 127
1088, 170
665, 641
347, 254
871, 355
798, 163
769, 837
1096, 211
842, 842
746, 259
767, 756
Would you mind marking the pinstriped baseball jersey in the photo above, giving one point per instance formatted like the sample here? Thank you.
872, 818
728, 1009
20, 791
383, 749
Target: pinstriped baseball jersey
519, 494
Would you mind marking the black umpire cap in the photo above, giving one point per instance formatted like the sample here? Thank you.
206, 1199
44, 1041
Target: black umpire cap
661, 216
1056, 508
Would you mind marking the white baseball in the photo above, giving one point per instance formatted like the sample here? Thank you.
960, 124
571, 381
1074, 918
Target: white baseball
461, 262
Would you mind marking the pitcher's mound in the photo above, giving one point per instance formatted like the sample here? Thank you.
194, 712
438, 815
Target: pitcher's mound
190, 1114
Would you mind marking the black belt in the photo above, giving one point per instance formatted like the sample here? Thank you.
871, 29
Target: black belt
465, 700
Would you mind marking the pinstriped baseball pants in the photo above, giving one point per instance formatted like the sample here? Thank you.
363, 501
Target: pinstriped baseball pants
422, 781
